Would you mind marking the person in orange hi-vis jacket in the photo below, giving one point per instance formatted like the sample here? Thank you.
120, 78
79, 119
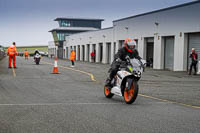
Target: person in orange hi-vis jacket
12, 52
26, 54
15, 48
72, 57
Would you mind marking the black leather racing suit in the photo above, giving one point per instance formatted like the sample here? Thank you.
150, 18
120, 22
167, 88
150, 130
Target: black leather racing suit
118, 58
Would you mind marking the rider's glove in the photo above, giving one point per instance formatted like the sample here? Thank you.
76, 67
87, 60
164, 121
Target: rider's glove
127, 57
118, 60
142, 65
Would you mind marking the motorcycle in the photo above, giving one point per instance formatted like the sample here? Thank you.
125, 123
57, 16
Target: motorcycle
125, 83
37, 58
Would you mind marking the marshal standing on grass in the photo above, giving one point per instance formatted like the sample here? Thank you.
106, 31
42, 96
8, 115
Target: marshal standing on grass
194, 58
12, 52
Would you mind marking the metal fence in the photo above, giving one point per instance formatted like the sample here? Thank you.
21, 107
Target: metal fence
2, 52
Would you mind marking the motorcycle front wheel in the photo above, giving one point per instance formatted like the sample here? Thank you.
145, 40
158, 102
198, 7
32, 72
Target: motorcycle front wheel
107, 92
131, 94
37, 62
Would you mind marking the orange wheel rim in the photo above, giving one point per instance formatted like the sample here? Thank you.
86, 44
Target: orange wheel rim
107, 91
128, 95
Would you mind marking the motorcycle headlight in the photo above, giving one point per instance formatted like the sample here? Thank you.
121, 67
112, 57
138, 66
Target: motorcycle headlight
130, 68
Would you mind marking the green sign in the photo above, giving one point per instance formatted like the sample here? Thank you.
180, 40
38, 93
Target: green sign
55, 37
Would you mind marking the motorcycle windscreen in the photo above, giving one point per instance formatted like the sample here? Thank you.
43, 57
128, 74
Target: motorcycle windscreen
137, 67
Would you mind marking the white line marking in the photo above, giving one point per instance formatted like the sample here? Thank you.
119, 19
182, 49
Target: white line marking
53, 104
14, 73
168, 101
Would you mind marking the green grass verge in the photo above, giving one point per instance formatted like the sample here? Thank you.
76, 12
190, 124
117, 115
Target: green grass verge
31, 49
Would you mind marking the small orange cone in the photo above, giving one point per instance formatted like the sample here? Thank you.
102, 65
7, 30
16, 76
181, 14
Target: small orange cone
55, 68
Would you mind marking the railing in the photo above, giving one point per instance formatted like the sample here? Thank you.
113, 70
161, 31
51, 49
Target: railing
2, 54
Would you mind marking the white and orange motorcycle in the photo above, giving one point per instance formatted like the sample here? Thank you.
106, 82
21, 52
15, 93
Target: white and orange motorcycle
125, 83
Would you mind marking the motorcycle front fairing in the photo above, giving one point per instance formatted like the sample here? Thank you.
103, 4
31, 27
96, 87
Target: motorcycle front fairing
37, 56
121, 75
129, 73
133, 73
124, 77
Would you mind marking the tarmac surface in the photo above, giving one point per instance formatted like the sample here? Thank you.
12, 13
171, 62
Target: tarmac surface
34, 100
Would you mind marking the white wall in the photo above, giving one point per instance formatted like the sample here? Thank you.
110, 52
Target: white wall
171, 22
92, 37
182, 19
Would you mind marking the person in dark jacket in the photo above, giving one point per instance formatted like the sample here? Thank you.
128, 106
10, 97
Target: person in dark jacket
194, 58
128, 50
36, 52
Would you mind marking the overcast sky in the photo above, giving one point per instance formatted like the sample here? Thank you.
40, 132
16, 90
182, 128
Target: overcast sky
27, 22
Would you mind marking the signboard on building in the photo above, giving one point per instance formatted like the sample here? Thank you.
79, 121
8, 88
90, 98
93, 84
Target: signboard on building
55, 37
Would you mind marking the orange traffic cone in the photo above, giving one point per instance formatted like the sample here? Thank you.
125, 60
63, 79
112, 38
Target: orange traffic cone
55, 68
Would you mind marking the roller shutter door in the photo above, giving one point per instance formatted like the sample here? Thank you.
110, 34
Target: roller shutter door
60, 52
108, 53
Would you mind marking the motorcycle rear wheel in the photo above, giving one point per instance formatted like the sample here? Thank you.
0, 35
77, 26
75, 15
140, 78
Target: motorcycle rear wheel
131, 94
107, 92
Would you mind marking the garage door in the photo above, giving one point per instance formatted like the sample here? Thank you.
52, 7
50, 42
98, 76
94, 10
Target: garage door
121, 44
108, 53
169, 53
60, 52
194, 42
83, 52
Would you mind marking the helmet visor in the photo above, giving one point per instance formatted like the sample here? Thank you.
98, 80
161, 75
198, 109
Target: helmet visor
131, 45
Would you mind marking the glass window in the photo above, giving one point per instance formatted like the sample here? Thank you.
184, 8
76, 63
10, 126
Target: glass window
61, 36
64, 23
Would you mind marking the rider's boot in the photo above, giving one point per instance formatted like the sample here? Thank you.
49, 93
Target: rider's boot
110, 77
108, 82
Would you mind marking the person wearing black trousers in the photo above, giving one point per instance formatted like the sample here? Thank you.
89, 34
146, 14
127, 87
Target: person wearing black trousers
194, 58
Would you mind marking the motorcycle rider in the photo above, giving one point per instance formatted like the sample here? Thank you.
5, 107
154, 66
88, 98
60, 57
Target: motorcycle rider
120, 57
36, 52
